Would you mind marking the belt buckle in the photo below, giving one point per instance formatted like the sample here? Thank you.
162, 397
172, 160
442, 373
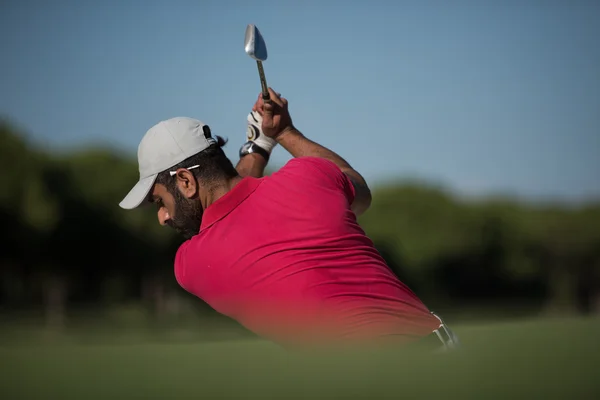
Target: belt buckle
446, 335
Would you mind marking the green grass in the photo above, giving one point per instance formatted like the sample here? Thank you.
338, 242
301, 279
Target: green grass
523, 360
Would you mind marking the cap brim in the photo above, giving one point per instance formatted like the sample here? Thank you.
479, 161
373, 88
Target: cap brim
139, 193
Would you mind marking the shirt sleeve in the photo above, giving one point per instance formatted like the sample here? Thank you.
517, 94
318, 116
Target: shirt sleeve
320, 172
180, 265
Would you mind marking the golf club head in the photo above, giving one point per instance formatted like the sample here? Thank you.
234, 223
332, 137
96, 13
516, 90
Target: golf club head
254, 44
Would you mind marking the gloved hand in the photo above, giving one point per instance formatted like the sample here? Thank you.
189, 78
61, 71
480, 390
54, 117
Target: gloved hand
255, 134
275, 113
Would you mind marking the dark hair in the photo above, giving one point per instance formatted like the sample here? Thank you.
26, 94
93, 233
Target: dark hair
213, 166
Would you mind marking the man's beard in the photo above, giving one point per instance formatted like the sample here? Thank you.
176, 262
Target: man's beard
188, 216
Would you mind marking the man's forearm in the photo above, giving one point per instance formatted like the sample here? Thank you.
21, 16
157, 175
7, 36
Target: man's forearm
251, 165
300, 146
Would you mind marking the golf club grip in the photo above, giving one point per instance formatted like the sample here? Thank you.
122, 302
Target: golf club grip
263, 82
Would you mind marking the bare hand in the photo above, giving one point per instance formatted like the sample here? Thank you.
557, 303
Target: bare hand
275, 114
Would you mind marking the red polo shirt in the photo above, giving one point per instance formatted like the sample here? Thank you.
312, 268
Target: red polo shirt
285, 257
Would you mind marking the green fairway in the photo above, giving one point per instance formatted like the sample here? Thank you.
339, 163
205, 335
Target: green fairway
529, 359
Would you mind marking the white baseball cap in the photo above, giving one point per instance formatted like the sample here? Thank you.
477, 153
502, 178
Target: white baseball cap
164, 145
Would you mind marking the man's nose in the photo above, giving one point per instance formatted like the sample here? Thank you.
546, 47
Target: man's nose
163, 216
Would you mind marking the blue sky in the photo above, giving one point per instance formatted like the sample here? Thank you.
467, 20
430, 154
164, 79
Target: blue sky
481, 96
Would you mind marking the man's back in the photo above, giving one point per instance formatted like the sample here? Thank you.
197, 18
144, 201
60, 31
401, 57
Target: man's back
285, 256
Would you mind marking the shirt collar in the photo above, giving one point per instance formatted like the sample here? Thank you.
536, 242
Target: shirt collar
227, 203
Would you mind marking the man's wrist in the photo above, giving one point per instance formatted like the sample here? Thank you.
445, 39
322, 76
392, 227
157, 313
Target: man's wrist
265, 143
252, 164
251, 147
286, 133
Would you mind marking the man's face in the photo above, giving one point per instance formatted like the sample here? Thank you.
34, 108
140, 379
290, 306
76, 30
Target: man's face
177, 211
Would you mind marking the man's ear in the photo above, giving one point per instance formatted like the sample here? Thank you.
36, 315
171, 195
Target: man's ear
187, 183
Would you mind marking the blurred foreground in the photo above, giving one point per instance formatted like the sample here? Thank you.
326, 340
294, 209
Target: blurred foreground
522, 360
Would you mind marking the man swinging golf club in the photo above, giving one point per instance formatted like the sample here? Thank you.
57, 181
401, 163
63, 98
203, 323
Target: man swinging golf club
283, 255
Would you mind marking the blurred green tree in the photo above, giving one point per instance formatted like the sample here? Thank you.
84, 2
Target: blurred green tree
67, 241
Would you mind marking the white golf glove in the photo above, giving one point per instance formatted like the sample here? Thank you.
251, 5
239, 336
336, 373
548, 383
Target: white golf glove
255, 134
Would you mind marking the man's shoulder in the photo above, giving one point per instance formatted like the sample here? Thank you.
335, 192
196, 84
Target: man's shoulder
309, 162
307, 167
195, 250
195, 257
315, 172
191, 248
180, 264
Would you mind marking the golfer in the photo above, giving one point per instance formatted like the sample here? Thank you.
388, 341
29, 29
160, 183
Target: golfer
283, 254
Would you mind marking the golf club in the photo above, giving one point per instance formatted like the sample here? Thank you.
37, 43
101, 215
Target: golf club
255, 47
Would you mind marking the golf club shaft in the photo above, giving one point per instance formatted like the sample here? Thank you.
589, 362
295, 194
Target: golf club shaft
263, 81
